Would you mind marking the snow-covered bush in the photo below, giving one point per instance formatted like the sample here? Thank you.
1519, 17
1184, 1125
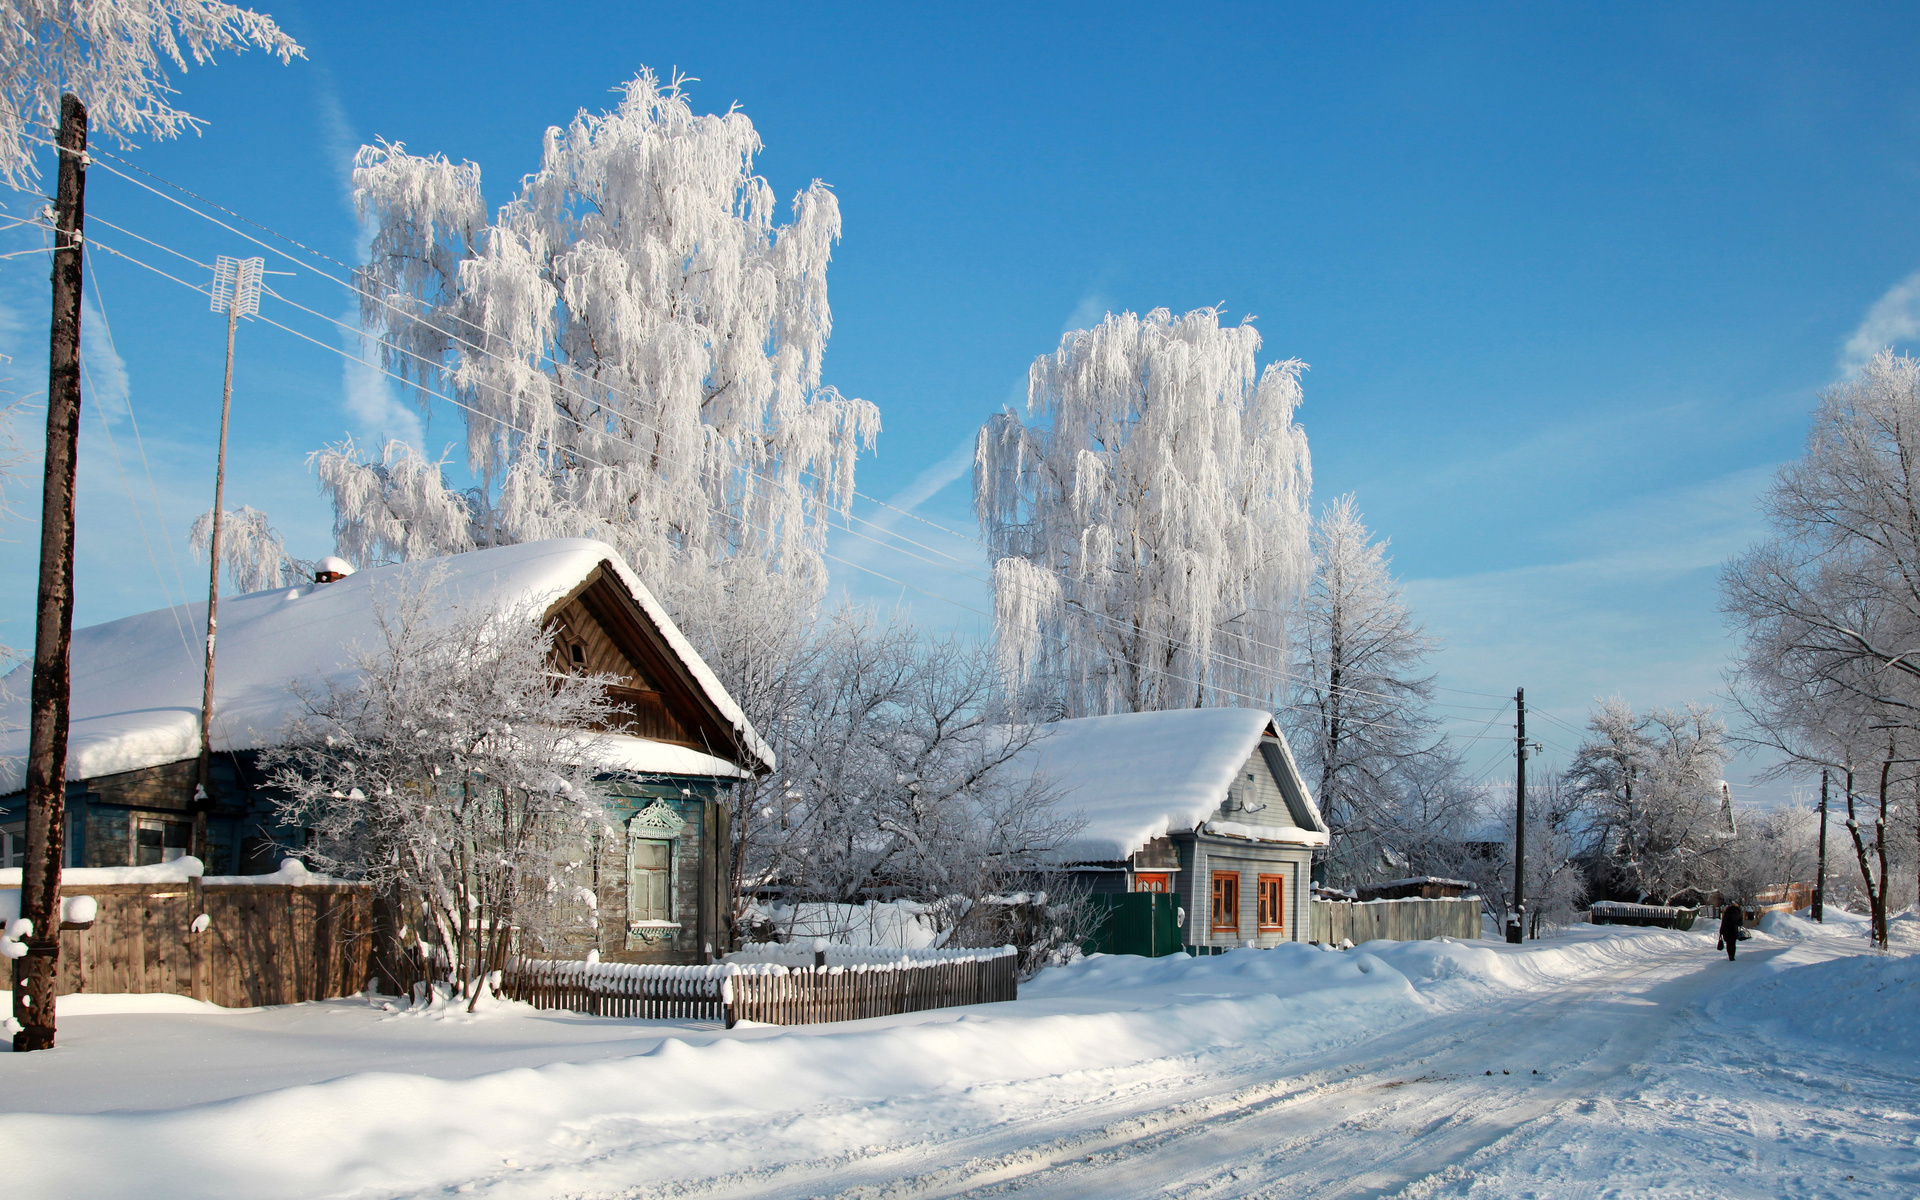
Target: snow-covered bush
459, 776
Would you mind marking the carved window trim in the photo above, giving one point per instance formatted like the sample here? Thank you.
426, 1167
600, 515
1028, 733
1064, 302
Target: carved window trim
656, 824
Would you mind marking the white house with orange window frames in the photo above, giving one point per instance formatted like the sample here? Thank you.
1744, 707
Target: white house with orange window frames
1204, 803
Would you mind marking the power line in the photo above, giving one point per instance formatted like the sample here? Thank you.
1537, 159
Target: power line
1261, 702
113, 449
1279, 673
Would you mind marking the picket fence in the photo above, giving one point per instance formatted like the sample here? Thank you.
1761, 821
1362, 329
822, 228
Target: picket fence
767, 993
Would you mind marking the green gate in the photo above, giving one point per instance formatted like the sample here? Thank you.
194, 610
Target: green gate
1144, 923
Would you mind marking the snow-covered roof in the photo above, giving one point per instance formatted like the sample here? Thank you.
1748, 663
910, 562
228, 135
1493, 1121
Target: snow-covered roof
1138, 776
137, 681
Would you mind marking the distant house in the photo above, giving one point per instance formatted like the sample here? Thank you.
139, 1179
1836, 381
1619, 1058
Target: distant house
1205, 804
134, 734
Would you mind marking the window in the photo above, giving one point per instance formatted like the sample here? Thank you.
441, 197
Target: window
578, 654
1226, 902
1152, 882
649, 874
1273, 891
158, 840
13, 844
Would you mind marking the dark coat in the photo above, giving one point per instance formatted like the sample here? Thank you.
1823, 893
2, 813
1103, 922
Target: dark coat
1730, 921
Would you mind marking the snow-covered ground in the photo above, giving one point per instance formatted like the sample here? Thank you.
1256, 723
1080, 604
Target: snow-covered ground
1602, 1062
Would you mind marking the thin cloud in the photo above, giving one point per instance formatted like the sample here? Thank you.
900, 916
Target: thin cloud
106, 372
933, 479
1894, 319
378, 413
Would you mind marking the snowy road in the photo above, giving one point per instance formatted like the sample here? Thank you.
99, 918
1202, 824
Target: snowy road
1599, 1063
1400, 1117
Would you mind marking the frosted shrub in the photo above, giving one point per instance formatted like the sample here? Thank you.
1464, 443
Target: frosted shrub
457, 775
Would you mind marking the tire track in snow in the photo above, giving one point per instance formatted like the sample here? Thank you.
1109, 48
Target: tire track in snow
1409, 1126
1191, 1110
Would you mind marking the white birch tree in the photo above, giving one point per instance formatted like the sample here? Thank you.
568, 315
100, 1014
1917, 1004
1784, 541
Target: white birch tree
636, 345
252, 552
1150, 524
114, 55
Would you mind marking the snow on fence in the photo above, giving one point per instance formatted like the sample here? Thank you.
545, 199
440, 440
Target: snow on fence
1395, 920
768, 993
801, 954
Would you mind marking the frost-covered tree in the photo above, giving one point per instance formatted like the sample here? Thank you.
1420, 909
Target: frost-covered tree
1560, 838
114, 55
1359, 721
1652, 784
636, 346
458, 774
1828, 674
1150, 524
896, 778
251, 550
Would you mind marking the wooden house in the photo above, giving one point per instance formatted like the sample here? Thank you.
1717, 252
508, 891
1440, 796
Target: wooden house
133, 745
1205, 804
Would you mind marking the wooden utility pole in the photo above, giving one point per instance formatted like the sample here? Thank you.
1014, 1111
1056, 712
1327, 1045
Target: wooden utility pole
1820, 880
34, 975
236, 291
1516, 918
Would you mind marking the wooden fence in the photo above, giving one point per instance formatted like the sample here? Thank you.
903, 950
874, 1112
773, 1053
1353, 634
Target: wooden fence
620, 989
813, 994
261, 943
1659, 916
1394, 920
767, 993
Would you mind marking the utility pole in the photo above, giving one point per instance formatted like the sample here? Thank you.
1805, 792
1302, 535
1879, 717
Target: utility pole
34, 974
1820, 880
236, 292
1516, 916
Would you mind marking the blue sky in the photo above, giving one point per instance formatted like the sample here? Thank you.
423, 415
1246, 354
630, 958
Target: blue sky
1568, 278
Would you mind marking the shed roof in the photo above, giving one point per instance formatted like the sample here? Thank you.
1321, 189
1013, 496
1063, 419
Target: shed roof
1139, 776
137, 681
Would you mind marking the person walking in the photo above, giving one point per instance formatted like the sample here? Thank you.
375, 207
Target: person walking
1730, 922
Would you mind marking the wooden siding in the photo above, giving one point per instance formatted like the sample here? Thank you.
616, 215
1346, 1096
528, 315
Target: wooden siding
667, 704
1202, 856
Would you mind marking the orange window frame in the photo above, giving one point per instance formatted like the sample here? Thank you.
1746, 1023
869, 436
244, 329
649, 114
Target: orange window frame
1226, 902
1153, 881
1273, 902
